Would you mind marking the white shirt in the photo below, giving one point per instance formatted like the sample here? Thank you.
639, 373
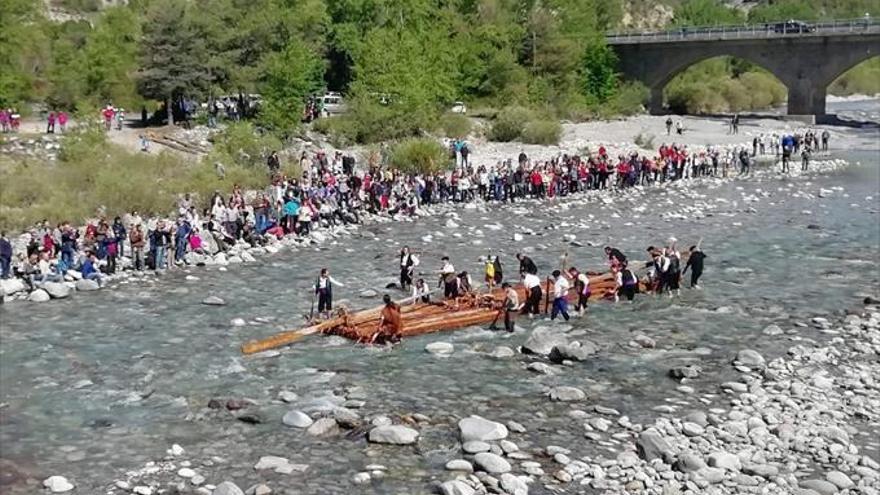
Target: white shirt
560, 287
531, 281
447, 268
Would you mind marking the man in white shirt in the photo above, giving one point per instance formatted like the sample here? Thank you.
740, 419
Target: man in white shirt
449, 279
533, 289
324, 290
560, 291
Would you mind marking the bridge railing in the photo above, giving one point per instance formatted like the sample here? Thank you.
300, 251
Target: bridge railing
749, 31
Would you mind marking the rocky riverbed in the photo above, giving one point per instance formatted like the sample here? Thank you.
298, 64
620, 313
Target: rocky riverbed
762, 382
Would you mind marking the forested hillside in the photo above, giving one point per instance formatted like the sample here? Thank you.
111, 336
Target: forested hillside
399, 62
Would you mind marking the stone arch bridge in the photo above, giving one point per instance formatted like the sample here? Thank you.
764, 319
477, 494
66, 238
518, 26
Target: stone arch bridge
806, 59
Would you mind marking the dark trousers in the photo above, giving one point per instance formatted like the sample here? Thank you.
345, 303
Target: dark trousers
325, 301
405, 277
583, 299
533, 302
695, 276
628, 292
509, 318
450, 289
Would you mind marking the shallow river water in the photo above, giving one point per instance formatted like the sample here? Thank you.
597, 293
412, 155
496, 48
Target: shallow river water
100, 383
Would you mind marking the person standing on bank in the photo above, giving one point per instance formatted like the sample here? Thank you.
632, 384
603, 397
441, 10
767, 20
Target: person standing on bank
324, 290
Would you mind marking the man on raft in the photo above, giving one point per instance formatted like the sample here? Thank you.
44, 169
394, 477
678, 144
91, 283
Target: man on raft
390, 323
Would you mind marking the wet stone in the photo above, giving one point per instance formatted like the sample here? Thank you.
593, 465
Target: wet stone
491, 463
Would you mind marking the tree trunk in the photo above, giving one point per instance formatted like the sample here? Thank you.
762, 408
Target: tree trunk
170, 111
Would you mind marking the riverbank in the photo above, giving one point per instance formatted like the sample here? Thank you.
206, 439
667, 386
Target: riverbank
804, 423
94, 389
619, 138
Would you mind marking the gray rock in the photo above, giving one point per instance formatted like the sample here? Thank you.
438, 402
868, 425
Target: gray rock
772, 330
39, 295
368, 294
539, 367
689, 371
513, 485
460, 465
297, 419
750, 358
491, 463
689, 462
644, 341
227, 488
767, 471
821, 486
692, 429
567, 394
475, 447
439, 348
711, 474
86, 285
543, 340
725, 460
287, 396
456, 487
10, 286
839, 479
213, 301
58, 484
361, 478
574, 351
479, 428
346, 418
57, 290
502, 352
323, 426
394, 435
651, 445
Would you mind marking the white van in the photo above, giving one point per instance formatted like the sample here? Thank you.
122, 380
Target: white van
332, 103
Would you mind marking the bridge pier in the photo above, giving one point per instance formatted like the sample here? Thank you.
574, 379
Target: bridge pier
655, 104
806, 98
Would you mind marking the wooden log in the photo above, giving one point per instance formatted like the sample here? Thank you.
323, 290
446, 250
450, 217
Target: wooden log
423, 318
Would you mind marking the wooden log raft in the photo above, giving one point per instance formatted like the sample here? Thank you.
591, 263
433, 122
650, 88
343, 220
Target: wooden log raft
422, 318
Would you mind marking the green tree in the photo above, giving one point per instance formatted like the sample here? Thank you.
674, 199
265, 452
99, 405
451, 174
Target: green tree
599, 71
24, 50
705, 13
288, 78
111, 53
172, 55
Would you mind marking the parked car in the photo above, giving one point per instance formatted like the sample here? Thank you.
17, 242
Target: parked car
458, 107
333, 103
793, 27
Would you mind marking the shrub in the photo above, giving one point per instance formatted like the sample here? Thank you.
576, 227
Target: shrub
93, 177
542, 132
509, 124
419, 155
241, 143
644, 141
455, 126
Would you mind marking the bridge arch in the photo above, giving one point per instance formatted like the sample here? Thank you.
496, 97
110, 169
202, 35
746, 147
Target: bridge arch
716, 85
806, 65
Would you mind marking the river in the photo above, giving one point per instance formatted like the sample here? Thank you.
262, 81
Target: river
102, 383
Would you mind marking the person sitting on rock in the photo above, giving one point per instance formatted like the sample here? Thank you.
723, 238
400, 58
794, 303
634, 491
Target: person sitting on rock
89, 268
